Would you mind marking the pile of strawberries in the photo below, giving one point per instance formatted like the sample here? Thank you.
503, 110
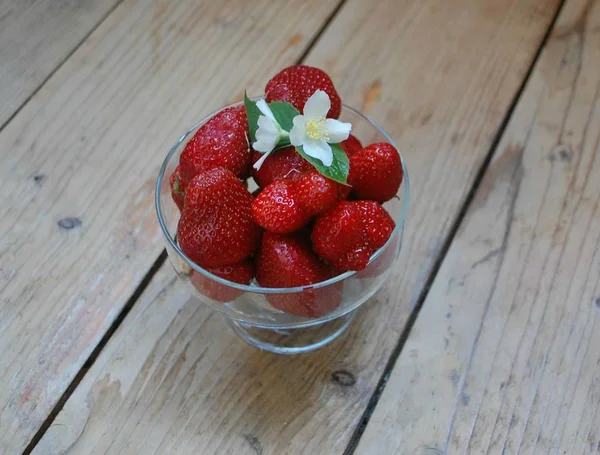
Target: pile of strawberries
299, 227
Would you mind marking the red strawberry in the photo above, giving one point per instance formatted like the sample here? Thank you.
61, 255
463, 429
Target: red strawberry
351, 145
351, 232
216, 226
287, 205
283, 163
288, 261
338, 237
375, 172
277, 208
297, 83
379, 225
344, 192
220, 142
240, 272
177, 187
316, 193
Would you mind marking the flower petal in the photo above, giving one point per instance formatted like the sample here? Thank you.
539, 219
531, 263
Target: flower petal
337, 131
298, 131
265, 143
265, 109
267, 135
317, 105
266, 124
261, 160
320, 150
263, 146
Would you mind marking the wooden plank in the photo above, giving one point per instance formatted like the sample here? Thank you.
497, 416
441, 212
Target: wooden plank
192, 387
504, 355
36, 37
86, 150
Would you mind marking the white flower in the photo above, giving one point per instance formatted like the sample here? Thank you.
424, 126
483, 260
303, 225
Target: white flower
268, 134
314, 132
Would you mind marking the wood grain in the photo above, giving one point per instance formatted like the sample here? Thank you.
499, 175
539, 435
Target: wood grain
504, 355
36, 37
193, 387
78, 230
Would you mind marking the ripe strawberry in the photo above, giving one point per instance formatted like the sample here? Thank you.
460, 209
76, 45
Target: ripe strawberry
375, 172
277, 208
283, 163
351, 145
286, 205
379, 225
350, 233
316, 193
240, 272
337, 236
297, 83
177, 187
288, 261
344, 192
216, 226
220, 142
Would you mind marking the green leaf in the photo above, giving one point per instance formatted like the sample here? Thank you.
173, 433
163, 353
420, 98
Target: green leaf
284, 113
283, 142
339, 168
252, 113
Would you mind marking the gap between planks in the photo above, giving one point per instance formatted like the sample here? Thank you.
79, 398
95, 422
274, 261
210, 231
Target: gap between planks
60, 64
362, 424
158, 263
96, 352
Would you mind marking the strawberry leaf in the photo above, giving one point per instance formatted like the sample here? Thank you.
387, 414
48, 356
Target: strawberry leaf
338, 171
252, 114
284, 113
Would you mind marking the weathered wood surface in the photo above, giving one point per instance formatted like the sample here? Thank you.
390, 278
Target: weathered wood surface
78, 230
35, 37
505, 354
439, 77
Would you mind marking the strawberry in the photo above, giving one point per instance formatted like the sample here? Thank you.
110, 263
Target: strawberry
316, 193
216, 226
220, 142
344, 192
277, 208
297, 83
240, 272
287, 205
177, 187
288, 261
350, 233
375, 172
283, 163
351, 145
378, 223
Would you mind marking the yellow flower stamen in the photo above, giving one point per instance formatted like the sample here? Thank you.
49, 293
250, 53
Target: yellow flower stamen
315, 129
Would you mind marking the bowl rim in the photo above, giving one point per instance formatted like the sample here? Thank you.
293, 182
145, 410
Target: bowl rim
259, 289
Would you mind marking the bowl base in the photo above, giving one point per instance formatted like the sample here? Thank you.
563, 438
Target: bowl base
292, 341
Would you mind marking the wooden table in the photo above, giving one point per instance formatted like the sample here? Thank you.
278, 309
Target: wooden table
485, 340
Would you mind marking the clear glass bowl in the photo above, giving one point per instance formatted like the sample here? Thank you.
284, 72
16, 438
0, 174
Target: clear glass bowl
247, 307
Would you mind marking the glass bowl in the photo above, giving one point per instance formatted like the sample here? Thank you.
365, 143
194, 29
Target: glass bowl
247, 307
